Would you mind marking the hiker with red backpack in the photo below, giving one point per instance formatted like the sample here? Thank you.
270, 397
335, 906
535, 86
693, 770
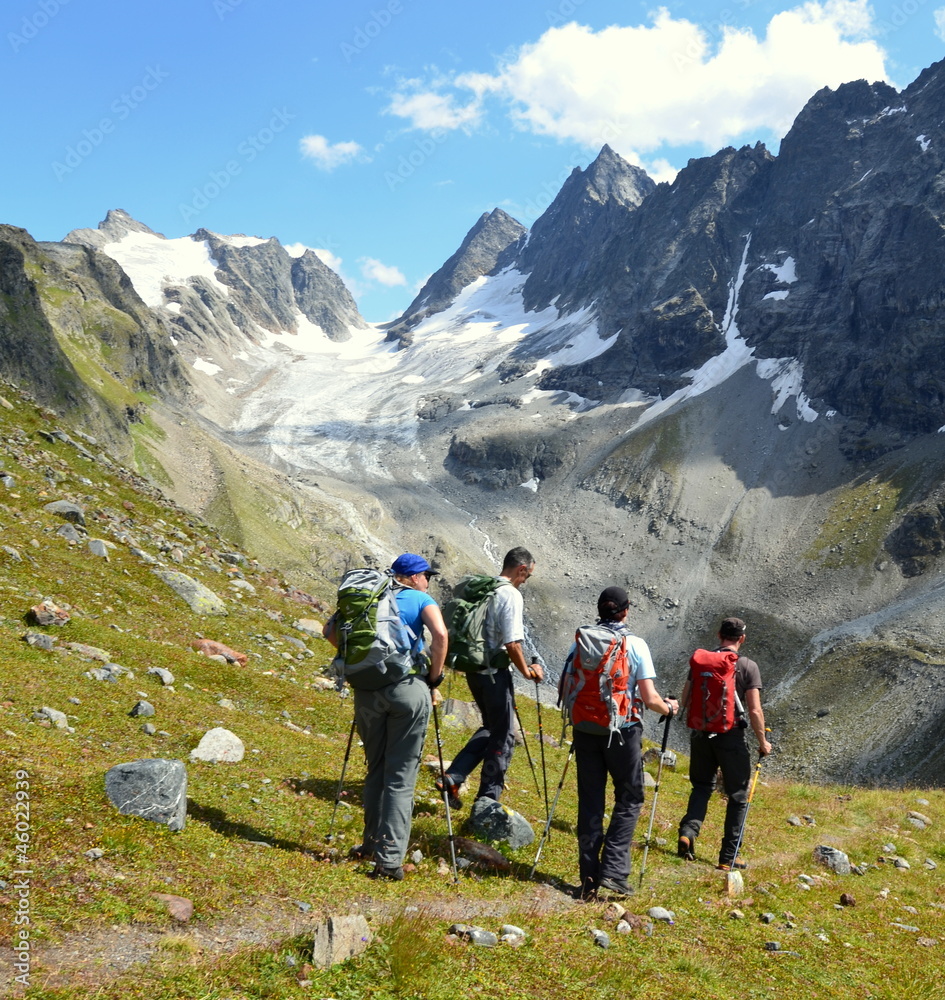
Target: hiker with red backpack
606, 681
722, 685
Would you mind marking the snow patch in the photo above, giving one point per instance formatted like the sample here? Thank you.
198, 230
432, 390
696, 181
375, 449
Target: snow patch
924, 142
785, 272
413, 379
151, 262
207, 366
777, 296
240, 240
787, 379
532, 485
173, 307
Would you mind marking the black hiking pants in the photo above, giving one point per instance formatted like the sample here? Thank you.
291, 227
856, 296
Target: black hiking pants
710, 752
601, 856
492, 744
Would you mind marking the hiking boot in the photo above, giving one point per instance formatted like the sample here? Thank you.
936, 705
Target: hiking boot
686, 849
381, 871
614, 887
734, 866
452, 790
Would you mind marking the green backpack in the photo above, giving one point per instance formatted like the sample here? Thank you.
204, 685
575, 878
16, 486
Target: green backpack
465, 617
375, 647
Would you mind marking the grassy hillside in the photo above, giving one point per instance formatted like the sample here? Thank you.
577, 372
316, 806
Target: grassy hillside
253, 855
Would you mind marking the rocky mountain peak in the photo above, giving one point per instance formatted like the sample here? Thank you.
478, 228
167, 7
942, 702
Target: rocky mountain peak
116, 225
611, 178
478, 254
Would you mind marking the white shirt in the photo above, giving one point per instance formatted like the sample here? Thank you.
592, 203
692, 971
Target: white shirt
505, 620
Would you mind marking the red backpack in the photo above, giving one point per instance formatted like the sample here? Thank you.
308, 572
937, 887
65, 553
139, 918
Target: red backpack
713, 703
594, 681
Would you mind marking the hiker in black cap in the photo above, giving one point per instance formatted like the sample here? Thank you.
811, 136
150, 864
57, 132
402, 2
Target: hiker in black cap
607, 680
721, 745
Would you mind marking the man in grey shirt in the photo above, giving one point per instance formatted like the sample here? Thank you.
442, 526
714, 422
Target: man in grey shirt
492, 689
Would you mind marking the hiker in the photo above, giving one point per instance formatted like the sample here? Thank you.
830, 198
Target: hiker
392, 722
717, 742
491, 687
607, 679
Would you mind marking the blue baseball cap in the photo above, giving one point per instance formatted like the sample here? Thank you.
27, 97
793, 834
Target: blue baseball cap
409, 564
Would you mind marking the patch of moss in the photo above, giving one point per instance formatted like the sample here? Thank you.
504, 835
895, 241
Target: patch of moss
853, 532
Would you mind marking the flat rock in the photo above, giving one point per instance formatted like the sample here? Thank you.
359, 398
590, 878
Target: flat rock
179, 907
154, 789
210, 648
482, 854
458, 714
199, 598
219, 745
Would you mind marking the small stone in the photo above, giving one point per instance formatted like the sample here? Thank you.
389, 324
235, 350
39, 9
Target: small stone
902, 863
927, 942
59, 719
623, 927
180, 908
475, 935
601, 938
736, 914
219, 745
847, 900
794, 820
227, 704
734, 883
905, 927
833, 859
921, 817
889, 848
660, 913
148, 729
810, 821
930, 864
772, 945
166, 677
143, 708
416, 857
767, 918
95, 853
614, 912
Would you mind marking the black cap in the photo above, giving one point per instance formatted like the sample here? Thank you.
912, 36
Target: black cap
612, 600
732, 628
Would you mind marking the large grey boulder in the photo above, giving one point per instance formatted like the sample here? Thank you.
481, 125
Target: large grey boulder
67, 510
219, 745
200, 599
340, 938
493, 821
154, 789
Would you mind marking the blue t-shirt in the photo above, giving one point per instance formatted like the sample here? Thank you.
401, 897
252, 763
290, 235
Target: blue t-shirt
411, 604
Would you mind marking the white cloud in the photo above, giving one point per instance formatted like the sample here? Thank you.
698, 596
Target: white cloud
939, 16
647, 87
429, 110
384, 274
326, 155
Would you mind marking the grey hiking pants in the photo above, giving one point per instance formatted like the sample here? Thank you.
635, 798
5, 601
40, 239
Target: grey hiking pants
392, 724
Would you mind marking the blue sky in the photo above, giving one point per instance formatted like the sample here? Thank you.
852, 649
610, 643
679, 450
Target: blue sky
378, 132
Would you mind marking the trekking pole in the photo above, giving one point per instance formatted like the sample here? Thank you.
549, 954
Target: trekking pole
528, 752
551, 814
541, 741
751, 795
656, 791
341, 784
446, 791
